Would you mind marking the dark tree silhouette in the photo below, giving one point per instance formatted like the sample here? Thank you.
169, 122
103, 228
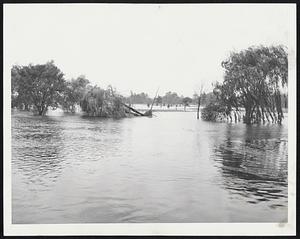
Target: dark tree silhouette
39, 86
253, 80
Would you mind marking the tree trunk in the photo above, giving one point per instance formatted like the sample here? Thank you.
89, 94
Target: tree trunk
198, 108
42, 110
247, 117
263, 114
279, 108
73, 109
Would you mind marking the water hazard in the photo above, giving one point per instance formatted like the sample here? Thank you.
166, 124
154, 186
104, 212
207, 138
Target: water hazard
169, 168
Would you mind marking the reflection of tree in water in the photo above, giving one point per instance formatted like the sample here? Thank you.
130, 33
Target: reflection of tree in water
254, 164
36, 145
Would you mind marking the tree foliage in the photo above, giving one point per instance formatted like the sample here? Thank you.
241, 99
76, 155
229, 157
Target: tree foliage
206, 98
141, 98
171, 98
103, 103
213, 112
38, 86
186, 101
74, 92
253, 80
158, 100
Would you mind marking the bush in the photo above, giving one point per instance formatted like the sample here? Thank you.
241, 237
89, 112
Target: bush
213, 112
102, 103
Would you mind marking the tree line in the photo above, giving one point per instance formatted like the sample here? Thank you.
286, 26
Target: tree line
168, 99
252, 90
40, 87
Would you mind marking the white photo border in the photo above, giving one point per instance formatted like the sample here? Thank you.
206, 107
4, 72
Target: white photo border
225, 229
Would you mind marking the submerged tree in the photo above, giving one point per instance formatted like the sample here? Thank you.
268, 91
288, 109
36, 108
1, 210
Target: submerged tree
103, 103
74, 92
38, 86
213, 111
253, 80
199, 97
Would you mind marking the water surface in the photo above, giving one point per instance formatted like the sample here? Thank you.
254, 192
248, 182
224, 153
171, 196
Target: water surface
169, 168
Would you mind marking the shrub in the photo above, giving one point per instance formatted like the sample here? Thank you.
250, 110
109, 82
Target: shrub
213, 112
102, 103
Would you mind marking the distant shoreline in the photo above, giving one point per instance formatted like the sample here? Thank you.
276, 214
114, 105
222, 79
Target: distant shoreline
191, 108
143, 107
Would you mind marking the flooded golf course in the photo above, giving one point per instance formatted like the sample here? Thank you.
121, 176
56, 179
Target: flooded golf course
168, 168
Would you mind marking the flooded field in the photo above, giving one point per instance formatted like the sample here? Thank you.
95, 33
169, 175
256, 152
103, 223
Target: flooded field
169, 168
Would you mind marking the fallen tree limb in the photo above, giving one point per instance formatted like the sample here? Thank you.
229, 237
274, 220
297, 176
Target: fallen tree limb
134, 110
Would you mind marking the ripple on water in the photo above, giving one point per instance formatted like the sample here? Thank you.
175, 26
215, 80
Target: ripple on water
171, 168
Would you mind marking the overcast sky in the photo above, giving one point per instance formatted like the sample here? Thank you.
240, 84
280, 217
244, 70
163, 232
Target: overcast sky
141, 47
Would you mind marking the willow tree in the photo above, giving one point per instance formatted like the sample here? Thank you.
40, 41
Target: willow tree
253, 80
103, 103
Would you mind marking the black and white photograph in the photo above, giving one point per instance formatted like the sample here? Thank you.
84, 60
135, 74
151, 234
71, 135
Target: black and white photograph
151, 119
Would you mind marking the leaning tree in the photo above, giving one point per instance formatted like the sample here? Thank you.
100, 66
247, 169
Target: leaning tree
253, 80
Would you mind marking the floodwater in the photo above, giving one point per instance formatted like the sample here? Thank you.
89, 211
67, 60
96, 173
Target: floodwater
169, 168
